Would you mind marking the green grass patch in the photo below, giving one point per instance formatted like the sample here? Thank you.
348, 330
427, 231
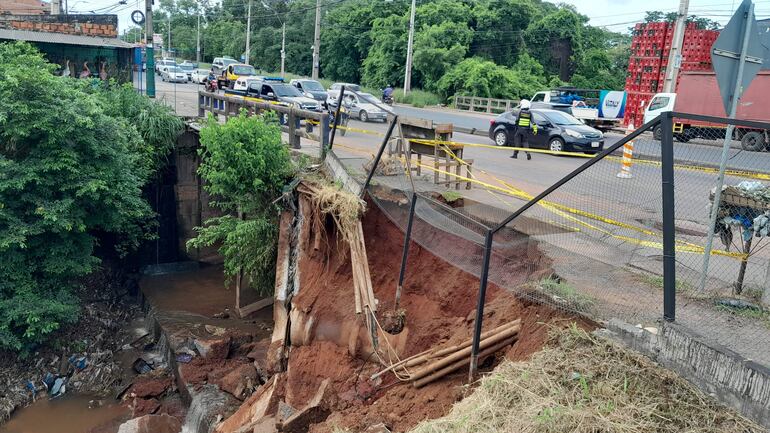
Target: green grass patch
567, 293
451, 196
759, 314
682, 287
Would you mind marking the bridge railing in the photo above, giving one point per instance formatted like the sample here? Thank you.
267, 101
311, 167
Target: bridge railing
316, 128
484, 105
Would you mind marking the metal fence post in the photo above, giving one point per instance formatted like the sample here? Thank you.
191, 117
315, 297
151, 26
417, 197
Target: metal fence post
201, 104
480, 305
379, 153
337, 117
407, 238
669, 235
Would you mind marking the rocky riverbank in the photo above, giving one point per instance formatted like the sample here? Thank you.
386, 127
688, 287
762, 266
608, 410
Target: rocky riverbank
85, 355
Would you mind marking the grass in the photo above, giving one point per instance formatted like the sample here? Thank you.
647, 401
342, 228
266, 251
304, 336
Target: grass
583, 384
682, 287
759, 314
451, 196
416, 97
568, 294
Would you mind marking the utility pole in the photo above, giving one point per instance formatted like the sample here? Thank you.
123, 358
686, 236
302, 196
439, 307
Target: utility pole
148, 50
675, 55
248, 34
168, 50
408, 73
283, 49
317, 40
198, 45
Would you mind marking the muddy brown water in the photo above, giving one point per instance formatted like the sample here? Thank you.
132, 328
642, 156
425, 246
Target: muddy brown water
69, 414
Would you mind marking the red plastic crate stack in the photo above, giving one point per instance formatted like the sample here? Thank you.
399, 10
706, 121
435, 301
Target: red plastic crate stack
650, 48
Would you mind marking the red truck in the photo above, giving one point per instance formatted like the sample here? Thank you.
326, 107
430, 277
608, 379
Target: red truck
698, 93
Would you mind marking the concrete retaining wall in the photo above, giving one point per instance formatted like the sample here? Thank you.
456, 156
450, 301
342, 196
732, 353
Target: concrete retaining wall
734, 381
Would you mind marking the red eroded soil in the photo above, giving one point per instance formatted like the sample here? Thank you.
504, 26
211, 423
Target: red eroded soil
440, 303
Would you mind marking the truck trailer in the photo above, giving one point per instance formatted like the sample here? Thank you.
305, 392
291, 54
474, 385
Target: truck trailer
698, 93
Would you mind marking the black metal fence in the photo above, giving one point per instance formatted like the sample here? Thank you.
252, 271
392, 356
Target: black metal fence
613, 238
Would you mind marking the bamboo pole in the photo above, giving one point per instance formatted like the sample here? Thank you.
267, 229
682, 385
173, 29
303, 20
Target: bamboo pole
365, 265
432, 353
463, 362
465, 352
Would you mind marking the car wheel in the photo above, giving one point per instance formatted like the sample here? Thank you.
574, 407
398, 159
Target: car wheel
753, 141
363, 116
501, 138
556, 144
657, 133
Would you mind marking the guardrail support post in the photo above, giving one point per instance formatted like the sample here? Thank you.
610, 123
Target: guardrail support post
294, 140
405, 254
669, 250
201, 102
480, 306
323, 133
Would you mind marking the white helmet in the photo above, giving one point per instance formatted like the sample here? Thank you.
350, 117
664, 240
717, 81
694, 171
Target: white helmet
524, 104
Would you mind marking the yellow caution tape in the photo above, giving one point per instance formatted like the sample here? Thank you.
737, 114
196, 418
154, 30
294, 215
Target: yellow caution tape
563, 210
689, 167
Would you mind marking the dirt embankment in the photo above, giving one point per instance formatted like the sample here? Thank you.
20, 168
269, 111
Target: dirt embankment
439, 301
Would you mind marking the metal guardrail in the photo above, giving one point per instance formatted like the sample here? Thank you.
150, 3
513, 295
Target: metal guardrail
484, 105
228, 106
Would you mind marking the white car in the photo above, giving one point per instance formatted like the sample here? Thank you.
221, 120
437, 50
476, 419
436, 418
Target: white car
365, 107
173, 74
199, 76
242, 83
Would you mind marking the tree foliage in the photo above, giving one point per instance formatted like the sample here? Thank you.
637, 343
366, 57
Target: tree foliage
245, 166
364, 41
71, 170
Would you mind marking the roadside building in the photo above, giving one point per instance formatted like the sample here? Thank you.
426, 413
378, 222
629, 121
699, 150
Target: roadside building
74, 42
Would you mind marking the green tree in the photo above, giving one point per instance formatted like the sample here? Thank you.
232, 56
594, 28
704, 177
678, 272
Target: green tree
500, 25
245, 165
69, 173
385, 62
484, 78
439, 47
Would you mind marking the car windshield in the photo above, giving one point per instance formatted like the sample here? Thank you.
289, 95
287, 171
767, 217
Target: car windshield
312, 86
203, 72
368, 97
186, 67
659, 102
174, 69
244, 70
559, 118
285, 90
338, 86
228, 62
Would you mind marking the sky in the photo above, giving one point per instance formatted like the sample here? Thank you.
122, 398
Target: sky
616, 15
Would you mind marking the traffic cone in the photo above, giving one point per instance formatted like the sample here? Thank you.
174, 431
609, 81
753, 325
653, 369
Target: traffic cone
628, 153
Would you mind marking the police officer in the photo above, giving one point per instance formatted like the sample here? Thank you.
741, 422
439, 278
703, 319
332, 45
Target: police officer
523, 126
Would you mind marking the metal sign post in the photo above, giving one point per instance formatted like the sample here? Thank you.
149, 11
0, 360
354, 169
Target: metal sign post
737, 57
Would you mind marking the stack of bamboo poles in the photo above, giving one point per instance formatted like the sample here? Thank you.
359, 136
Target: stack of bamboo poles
433, 364
363, 291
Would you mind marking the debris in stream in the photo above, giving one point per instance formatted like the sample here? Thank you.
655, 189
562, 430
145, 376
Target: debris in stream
141, 366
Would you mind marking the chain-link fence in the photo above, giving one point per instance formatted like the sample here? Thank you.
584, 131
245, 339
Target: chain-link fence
604, 239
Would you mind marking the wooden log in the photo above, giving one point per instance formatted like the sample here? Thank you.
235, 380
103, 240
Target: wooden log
433, 353
463, 362
465, 352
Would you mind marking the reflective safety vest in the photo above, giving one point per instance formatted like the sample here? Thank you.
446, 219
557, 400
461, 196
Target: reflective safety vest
524, 119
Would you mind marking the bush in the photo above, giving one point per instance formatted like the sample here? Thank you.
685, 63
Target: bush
245, 165
70, 171
478, 77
